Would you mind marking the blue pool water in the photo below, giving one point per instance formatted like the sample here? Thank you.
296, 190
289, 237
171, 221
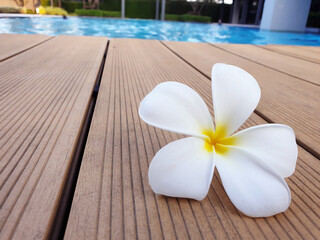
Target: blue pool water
150, 29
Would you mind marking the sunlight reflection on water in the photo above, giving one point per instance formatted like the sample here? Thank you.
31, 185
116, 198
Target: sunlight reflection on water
150, 29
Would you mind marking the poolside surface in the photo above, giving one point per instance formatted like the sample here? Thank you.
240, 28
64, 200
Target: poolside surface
52, 89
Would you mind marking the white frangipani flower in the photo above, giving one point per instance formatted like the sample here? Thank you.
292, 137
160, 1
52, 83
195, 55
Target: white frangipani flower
252, 163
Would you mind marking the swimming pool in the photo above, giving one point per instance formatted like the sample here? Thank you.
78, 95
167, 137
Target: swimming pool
151, 29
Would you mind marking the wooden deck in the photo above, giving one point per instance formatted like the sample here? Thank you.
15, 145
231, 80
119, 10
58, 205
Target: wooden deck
52, 89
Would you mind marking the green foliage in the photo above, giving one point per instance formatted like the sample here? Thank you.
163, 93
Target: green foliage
71, 6
146, 8
97, 13
187, 18
178, 7
10, 10
134, 8
113, 14
88, 12
140, 9
111, 5
45, 3
213, 10
192, 18
55, 11
172, 17
30, 11
314, 20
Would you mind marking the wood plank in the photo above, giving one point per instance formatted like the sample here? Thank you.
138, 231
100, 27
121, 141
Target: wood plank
295, 51
284, 99
12, 44
113, 198
44, 96
310, 48
302, 69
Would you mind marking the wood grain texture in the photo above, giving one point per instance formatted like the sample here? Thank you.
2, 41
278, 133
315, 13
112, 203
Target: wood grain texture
44, 94
309, 54
12, 44
113, 198
284, 99
302, 69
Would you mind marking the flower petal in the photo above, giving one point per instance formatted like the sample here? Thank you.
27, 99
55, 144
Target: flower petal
274, 144
176, 107
183, 168
235, 95
253, 187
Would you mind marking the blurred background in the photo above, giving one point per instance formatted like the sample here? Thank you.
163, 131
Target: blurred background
228, 11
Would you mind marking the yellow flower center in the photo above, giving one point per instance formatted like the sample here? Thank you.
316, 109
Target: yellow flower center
218, 140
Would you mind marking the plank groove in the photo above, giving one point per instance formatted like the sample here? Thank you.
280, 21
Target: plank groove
284, 99
41, 118
113, 198
296, 51
12, 44
302, 69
